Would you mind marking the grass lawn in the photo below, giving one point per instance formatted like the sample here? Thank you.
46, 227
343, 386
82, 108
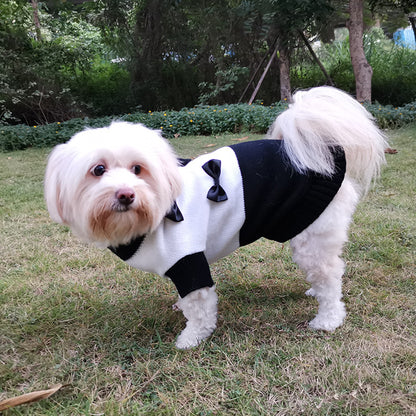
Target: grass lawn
77, 315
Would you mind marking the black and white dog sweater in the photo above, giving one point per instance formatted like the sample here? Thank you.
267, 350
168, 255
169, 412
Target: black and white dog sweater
230, 198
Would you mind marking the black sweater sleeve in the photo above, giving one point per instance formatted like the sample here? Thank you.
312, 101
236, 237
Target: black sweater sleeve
190, 273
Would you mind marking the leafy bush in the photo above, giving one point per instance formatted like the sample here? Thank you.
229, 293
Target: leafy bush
394, 78
38, 76
32, 85
225, 86
394, 69
393, 117
206, 120
336, 59
104, 88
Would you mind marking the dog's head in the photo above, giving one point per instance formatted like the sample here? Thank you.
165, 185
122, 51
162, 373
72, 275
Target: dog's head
112, 184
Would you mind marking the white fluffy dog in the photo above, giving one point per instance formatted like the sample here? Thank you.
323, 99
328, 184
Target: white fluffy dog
124, 188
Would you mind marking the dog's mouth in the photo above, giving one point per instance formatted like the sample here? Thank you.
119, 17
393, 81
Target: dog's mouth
117, 207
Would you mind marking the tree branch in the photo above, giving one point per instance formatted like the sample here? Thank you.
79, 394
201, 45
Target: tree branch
315, 58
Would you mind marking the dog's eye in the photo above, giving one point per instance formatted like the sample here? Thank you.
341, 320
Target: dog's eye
136, 169
99, 170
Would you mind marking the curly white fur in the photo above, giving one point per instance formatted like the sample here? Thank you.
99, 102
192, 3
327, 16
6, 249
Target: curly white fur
325, 117
317, 251
200, 309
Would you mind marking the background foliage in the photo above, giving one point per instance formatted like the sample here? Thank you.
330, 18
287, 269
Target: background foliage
111, 57
202, 120
394, 68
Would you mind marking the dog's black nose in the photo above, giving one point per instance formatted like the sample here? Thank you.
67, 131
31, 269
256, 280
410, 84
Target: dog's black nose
125, 196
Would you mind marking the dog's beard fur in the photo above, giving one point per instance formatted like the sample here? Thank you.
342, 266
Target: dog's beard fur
88, 203
110, 221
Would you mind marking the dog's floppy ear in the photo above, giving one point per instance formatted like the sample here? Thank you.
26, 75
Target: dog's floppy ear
169, 163
163, 164
53, 186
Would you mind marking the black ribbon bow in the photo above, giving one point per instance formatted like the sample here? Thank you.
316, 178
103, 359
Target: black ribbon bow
175, 213
216, 193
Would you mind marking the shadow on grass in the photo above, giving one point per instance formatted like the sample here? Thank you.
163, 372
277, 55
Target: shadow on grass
92, 320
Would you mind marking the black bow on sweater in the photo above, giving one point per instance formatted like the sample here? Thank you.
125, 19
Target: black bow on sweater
216, 193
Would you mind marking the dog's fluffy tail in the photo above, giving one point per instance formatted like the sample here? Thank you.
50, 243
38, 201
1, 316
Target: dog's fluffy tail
323, 118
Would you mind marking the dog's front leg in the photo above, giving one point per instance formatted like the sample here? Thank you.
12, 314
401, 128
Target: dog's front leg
200, 310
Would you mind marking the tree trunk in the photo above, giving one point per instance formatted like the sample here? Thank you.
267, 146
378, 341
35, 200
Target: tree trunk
271, 49
412, 19
256, 90
284, 70
36, 20
362, 69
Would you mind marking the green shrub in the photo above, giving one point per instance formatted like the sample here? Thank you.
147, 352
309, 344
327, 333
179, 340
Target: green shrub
394, 76
206, 120
394, 69
393, 117
229, 83
104, 88
31, 84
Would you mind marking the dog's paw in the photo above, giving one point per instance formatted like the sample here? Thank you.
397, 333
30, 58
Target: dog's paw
329, 321
176, 307
310, 292
187, 340
193, 335
323, 325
